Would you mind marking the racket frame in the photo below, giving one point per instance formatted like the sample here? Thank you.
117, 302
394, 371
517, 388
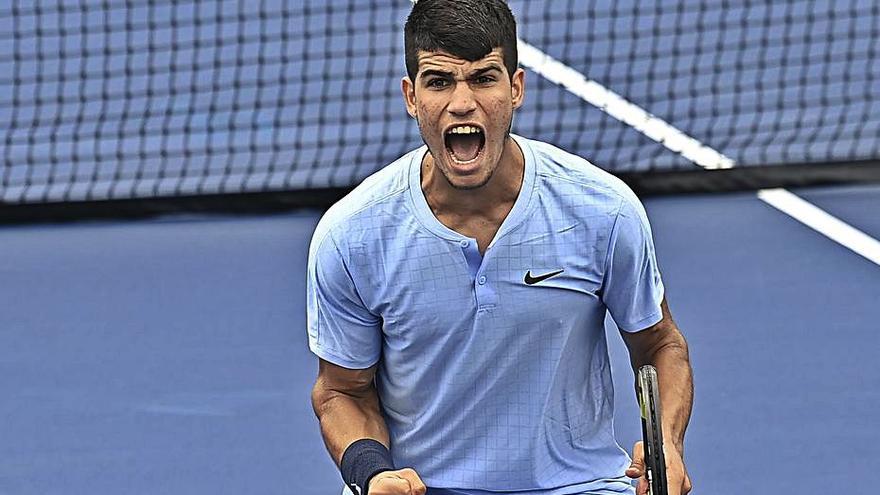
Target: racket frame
648, 392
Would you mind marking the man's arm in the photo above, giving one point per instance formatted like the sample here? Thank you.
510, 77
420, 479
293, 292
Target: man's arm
347, 406
663, 346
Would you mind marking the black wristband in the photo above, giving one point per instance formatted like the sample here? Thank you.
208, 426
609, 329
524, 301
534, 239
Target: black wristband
361, 461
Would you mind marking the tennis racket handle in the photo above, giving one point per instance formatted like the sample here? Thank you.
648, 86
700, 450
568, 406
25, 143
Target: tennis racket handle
652, 434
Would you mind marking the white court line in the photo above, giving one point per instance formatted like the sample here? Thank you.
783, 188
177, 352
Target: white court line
822, 222
695, 151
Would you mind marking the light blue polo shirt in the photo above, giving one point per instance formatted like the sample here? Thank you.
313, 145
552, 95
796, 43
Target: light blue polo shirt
493, 370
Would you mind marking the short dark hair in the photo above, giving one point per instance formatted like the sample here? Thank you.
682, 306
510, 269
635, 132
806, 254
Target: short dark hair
469, 29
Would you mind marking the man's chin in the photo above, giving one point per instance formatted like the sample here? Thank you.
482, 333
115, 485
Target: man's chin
468, 187
465, 176
468, 183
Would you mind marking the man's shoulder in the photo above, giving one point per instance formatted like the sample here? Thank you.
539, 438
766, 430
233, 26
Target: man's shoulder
574, 177
379, 193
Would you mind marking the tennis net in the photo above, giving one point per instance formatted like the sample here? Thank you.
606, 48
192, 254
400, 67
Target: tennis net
106, 100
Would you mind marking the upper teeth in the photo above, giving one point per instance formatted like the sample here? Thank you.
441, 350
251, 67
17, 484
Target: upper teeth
465, 129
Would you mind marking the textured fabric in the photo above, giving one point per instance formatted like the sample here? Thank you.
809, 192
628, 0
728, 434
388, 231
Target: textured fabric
487, 382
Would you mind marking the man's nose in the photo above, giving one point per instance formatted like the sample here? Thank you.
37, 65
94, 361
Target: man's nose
463, 101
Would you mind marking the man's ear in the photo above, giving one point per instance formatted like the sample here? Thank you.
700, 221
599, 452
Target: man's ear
409, 95
518, 87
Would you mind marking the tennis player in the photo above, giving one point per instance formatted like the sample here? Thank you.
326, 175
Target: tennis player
456, 298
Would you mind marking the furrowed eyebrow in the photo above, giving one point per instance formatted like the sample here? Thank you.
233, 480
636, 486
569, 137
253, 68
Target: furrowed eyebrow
449, 75
435, 72
484, 70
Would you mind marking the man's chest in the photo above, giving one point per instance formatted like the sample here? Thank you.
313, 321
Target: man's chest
482, 229
445, 289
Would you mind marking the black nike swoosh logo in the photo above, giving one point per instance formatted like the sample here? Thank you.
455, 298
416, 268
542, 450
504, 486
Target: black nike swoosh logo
530, 280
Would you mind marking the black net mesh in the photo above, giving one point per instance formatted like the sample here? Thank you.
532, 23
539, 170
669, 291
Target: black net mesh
148, 98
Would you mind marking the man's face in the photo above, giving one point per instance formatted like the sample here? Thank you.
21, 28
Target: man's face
464, 110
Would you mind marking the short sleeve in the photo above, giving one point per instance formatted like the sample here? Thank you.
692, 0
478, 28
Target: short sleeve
341, 329
632, 288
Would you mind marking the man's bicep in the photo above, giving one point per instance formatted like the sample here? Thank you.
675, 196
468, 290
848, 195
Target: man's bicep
645, 342
349, 381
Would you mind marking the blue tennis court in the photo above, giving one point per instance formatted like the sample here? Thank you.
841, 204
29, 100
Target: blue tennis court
170, 356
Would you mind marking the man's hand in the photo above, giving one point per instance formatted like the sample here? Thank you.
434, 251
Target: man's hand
400, 482
677, 479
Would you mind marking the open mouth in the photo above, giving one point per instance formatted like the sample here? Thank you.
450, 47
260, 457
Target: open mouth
465, 143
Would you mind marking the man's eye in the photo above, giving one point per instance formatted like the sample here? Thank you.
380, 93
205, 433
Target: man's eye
484, 80
437, 83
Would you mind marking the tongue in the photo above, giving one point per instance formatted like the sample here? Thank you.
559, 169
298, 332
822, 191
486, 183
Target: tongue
465, 147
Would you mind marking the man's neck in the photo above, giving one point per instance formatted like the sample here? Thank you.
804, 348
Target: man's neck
493, 199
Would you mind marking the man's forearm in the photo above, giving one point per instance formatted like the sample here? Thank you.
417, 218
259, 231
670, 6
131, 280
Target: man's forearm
676, 390
346, 418
663, 346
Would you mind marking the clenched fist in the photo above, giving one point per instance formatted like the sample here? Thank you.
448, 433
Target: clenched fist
400, 482
677, 479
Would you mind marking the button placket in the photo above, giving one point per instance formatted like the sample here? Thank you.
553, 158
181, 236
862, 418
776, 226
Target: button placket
484, 295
